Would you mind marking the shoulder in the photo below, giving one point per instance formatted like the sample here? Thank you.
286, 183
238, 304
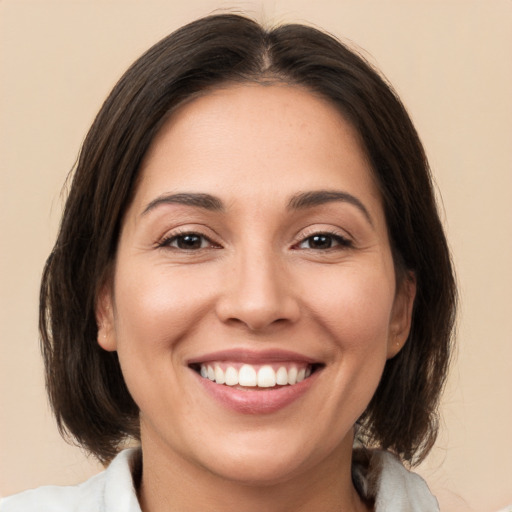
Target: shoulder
381, 476
111, 487
53, 498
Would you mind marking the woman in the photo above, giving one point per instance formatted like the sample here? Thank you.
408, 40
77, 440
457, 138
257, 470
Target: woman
250, 271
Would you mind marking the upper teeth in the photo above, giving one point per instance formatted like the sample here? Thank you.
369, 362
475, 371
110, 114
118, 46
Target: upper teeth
250, 376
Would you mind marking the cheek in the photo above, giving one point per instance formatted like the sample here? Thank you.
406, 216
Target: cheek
152, 316
354, 306
159, 309
356, 317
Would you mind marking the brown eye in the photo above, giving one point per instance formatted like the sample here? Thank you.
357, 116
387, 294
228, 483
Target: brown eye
323, 241
187, 242
320, 242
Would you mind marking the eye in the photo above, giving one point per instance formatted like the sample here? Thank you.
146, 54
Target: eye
188, 242
323, 241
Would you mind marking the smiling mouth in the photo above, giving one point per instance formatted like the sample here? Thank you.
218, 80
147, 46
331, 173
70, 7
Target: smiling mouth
255, 376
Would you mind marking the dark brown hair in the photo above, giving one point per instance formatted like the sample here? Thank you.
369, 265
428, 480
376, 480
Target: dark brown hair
85, 383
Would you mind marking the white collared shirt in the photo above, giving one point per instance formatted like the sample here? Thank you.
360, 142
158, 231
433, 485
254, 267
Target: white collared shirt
382, 477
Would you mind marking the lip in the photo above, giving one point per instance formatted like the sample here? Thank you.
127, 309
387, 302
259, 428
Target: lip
253, 357
260, 400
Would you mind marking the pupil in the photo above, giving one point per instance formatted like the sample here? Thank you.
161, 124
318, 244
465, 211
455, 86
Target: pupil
189, 242
321, 242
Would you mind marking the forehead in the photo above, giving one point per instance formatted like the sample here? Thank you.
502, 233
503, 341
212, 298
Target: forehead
254, 140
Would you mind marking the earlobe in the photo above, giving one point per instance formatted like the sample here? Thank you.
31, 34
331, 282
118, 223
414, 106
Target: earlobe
401, 318
105, 320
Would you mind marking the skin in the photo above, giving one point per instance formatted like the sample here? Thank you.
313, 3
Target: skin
255, 281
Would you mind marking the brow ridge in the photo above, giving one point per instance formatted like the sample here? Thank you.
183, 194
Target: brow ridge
304, 200
300, 201
200, 200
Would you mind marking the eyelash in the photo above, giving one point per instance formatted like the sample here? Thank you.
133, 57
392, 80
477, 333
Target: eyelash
335, 241
339, 240
176, 236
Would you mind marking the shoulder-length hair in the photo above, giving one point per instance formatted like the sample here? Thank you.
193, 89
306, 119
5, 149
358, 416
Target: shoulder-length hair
85, 384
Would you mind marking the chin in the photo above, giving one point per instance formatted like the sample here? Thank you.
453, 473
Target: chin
259, 471
267, 460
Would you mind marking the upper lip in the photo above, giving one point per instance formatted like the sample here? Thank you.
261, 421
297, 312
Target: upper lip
252, 356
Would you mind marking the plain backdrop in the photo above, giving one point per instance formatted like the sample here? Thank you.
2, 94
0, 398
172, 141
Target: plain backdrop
450, 61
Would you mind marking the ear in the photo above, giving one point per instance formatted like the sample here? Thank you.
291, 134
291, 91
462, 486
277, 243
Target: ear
401, 315
105, 319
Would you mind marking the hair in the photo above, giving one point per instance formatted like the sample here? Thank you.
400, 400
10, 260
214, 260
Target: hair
85, 384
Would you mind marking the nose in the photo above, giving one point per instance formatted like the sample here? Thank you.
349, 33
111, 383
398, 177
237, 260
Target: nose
258, 293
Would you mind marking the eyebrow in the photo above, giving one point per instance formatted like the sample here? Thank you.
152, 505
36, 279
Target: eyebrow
300, 201
206, 201
306, 200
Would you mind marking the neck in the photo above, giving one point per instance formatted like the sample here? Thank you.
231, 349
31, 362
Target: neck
171, 483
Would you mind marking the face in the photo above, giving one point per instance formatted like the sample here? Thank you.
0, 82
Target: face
253, 303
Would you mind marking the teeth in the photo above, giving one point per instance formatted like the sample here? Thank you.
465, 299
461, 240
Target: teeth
231, 376
266, 377
248, 376
282, 376
219, 375
292, 376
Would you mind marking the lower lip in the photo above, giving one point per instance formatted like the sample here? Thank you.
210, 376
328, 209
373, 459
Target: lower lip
258, 401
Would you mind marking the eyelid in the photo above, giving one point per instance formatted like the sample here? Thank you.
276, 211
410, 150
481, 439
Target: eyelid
170, 236
343, 238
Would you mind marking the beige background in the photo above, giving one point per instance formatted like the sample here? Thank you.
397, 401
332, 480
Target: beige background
451, 61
